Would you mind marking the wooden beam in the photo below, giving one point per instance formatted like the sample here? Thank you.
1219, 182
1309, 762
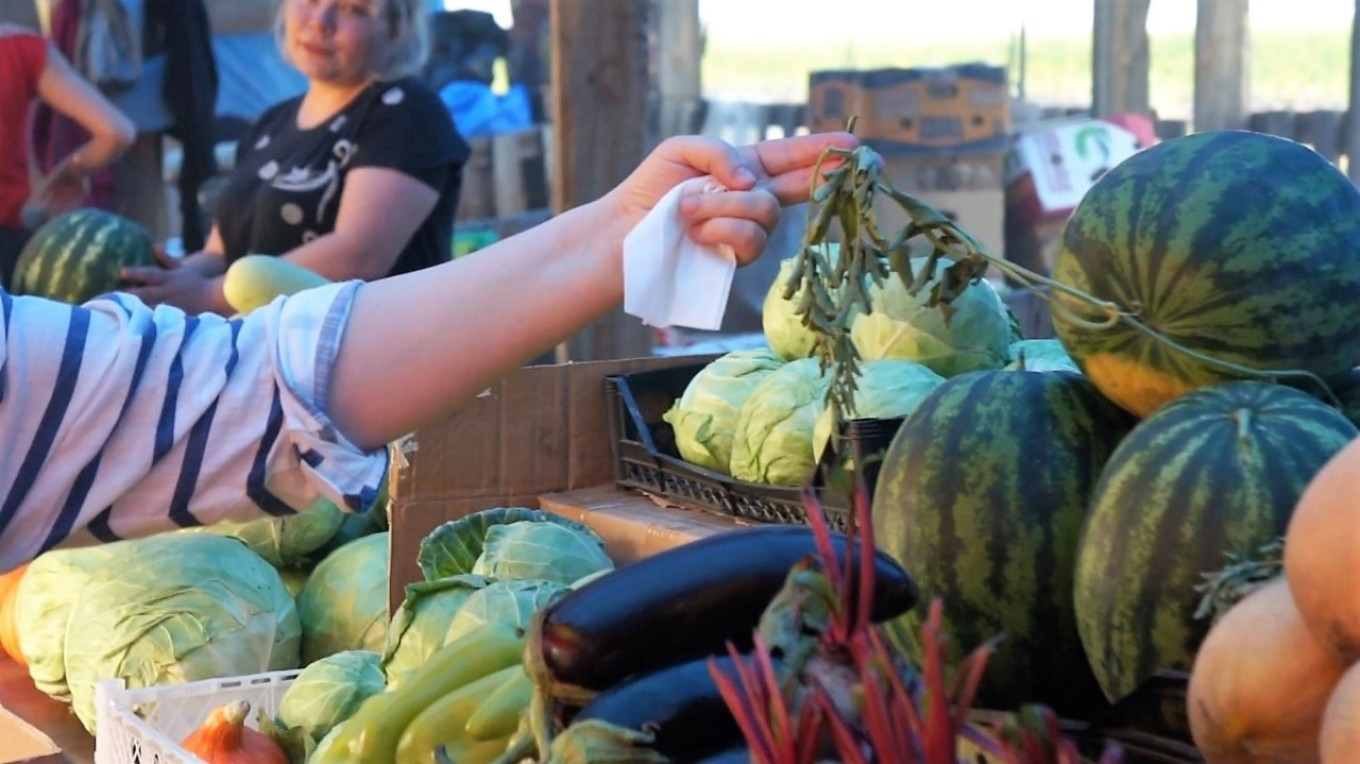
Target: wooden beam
1222, 84
1350, 140
1119, 58
599, 110
679, 54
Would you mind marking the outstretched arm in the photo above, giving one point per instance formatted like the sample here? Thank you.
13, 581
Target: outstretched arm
450, 331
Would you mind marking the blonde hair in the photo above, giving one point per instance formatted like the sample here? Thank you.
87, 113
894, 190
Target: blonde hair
403, 48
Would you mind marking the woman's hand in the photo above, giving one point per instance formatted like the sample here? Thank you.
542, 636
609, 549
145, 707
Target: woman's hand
172, 283
760, 179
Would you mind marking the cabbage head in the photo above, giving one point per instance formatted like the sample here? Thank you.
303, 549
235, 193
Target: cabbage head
538, 550
773, 441
971, 334
784, 329
886, 389
512, 601
325, 694
42, 604
290, 540
421, 625
705, 416
1041, 355
178, 608
343, 605
452, 548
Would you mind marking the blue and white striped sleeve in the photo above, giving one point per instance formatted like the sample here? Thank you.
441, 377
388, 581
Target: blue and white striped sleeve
119, 420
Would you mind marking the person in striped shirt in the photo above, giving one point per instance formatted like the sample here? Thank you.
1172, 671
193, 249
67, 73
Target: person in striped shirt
121, 420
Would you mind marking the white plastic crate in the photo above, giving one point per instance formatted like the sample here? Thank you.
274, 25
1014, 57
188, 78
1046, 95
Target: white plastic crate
145, 725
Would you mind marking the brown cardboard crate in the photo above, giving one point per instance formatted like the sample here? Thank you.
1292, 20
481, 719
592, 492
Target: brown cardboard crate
541, 430
915, 111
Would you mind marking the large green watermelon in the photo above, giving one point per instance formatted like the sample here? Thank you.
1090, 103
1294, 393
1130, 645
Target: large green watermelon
78, 255
1216, 471
1236, 245
981, 496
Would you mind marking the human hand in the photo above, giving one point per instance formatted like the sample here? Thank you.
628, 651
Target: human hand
760, 178
168, 283
65, 188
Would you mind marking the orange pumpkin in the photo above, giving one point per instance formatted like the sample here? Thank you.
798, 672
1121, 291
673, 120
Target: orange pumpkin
1322, 554
9, 628
1260, 683
224, 738
1340, 737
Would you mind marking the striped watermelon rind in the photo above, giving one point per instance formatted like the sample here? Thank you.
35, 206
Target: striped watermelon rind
79, 255
1217, 471
1237, 245
981, 496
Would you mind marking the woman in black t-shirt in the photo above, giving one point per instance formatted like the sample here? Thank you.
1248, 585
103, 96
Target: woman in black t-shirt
357, 178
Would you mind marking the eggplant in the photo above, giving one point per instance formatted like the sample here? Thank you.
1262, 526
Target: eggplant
681, 705
685, 603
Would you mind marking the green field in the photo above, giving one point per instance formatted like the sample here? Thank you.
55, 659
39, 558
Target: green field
1289, 70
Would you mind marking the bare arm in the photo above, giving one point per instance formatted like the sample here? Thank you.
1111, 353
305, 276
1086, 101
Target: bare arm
450, 331
62, 88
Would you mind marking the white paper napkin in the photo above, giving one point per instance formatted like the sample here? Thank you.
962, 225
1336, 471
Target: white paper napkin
668, 279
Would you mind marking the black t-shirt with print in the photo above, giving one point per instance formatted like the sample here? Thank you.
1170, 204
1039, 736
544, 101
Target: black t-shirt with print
286, 188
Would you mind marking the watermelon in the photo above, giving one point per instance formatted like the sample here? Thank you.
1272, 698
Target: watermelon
78, 255
981, 496
1216, 471
1237, 246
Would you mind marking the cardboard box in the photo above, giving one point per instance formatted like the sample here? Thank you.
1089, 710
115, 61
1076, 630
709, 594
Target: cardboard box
1050, 168
634, 526
542, 430
33, 727
915, 111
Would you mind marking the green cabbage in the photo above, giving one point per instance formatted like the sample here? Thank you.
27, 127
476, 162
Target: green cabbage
970, 334
42, 604
325, 694
1041, 355
421, 625
773, 439
512, 601
178, 608
452, 548
290, 540
539, 550
705, 416
344, 602
886, 389
784, 328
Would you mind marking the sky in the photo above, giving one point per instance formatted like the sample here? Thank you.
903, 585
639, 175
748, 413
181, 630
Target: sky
852, 20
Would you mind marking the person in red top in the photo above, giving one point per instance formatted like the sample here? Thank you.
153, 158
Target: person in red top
31, 68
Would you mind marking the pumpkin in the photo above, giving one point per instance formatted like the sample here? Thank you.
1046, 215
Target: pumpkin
1340, 737
1320, 559
223, 738
9, 627
1260, 683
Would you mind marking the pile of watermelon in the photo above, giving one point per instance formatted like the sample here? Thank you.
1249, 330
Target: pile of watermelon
1208, 294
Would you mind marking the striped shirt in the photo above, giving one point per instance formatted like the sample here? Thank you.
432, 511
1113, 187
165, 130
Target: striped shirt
118, 420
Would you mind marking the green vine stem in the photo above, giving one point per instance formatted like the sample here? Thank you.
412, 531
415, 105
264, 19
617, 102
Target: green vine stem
831, 293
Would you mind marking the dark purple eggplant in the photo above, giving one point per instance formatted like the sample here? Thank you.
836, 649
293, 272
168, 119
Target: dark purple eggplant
686, 603
681, 705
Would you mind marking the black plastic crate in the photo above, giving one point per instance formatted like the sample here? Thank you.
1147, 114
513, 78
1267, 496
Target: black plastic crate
646, 457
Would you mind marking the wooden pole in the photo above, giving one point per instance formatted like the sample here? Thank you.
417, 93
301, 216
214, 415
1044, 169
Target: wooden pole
1221, 56
599, 87
679, 53
1119, 58
1351, 140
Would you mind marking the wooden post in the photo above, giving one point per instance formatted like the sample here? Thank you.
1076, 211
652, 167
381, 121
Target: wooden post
1350, 140
1221, 55
680, 47
599, 109
1119, 58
